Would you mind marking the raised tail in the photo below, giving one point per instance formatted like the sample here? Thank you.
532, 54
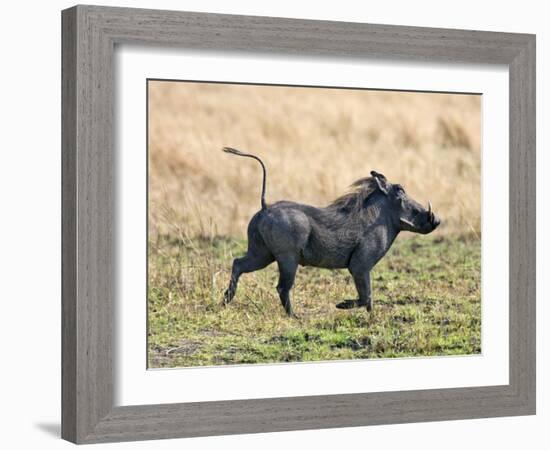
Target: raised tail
239, 153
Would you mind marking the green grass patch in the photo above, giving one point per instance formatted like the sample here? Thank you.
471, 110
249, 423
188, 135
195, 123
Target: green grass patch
426, 297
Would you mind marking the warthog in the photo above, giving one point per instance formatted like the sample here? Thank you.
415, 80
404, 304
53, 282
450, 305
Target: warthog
355, 231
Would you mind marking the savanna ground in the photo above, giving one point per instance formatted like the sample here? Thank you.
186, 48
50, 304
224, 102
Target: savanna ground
315, 143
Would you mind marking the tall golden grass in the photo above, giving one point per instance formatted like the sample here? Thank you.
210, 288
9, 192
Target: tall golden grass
315, 142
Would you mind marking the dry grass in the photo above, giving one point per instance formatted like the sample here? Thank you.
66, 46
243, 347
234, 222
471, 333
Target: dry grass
315, 143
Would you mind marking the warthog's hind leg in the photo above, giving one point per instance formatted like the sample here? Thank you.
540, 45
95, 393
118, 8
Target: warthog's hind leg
246, 264
287, 273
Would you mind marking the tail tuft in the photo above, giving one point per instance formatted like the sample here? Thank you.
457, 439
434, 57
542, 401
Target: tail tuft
233, 150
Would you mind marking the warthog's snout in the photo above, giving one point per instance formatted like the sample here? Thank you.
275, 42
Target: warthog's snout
435, 221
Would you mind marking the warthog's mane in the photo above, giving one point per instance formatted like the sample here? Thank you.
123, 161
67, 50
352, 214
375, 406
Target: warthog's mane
354, 200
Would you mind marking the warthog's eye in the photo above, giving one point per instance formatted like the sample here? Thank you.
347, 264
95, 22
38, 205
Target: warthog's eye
399, 193
415, 211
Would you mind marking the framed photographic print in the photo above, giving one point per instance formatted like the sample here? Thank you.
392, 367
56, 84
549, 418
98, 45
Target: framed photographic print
268, 222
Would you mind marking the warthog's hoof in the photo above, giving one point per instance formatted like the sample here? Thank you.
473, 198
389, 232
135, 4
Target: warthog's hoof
227, 297
350, 304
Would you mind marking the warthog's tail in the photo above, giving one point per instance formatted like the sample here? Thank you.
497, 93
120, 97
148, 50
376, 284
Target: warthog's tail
239, 153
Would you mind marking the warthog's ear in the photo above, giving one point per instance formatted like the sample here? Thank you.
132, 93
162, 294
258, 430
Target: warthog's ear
381, 181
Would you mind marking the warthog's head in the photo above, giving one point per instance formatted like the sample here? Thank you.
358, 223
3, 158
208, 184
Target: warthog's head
408, 214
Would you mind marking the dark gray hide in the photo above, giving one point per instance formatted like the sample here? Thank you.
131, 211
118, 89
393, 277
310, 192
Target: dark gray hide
354, 232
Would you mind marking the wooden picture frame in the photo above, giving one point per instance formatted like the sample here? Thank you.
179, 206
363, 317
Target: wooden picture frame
89, 37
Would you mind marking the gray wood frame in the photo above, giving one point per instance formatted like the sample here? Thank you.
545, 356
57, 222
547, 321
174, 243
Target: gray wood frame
89, 36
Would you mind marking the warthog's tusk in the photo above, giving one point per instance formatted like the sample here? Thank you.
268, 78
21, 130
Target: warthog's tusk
406, 222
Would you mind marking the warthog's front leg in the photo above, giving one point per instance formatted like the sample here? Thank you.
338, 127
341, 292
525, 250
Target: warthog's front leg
362, 284
360, 265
